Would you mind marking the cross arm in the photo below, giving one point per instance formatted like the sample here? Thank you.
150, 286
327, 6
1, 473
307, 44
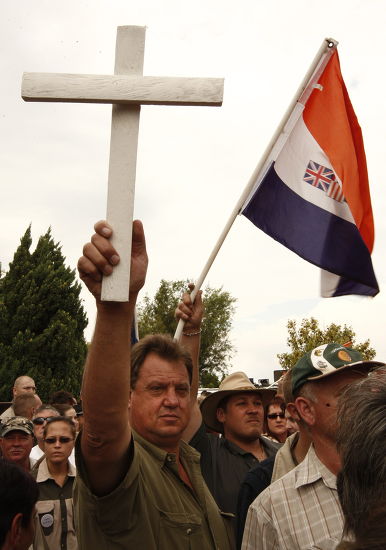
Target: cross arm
123, 89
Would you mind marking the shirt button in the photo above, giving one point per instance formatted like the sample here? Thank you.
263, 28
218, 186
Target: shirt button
188, 531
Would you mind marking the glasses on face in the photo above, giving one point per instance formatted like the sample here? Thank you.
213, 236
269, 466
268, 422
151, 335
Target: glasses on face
62, 439
273, 416
39, 420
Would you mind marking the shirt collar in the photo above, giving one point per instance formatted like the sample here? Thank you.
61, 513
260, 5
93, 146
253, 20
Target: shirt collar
163, 457
312, 469
44, 473
235, 449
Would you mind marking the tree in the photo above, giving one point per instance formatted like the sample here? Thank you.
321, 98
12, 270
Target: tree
309, 335
157, 316
41, 320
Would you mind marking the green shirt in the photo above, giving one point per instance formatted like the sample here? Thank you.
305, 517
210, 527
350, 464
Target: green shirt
152, 508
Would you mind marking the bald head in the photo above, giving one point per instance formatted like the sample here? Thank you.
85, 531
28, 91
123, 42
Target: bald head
23, 384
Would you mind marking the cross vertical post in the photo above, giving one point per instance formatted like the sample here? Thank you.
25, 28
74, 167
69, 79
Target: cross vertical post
129, 56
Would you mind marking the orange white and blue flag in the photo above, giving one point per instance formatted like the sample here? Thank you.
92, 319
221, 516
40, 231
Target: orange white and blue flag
314, 196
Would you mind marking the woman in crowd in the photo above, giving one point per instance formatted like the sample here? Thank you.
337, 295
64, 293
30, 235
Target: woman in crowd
55, 476
275, 420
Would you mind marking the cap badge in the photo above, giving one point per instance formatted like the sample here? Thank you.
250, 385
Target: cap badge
344, 356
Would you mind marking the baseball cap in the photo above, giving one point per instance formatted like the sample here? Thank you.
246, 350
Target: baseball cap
17, 423
327, 360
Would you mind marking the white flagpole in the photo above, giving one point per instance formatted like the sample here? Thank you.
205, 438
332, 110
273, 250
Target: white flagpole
326, 49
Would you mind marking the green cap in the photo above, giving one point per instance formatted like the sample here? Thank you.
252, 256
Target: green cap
326, 360
17, 423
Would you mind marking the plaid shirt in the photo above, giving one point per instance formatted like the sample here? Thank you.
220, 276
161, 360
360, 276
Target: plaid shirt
300, 511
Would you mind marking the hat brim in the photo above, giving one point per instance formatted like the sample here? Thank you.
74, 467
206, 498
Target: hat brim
366, 366
210, 404
13, 429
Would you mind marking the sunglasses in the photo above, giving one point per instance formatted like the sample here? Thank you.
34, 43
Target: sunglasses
61, 439
39, 420
273, 416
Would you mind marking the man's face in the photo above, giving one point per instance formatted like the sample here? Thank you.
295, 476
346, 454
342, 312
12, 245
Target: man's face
16, 446
160, 401
39, 423
58, 442
24, 385
291, 422
327, 393
242, 417
71, 413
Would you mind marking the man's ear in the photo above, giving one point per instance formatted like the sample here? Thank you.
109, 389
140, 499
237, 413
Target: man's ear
305, 409
129, 405
220, 413
15, 531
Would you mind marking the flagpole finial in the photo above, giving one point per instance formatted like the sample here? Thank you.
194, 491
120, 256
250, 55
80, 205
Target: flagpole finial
331, 43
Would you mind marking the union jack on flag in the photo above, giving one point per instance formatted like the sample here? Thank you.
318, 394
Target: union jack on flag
323, 178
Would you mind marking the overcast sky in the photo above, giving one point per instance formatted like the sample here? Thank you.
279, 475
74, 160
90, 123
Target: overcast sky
193, 162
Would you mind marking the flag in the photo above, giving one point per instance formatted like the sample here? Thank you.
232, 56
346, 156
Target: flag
313, 196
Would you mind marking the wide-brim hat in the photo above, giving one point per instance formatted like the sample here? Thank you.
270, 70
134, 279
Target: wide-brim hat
237, 382
327, 360
19, 424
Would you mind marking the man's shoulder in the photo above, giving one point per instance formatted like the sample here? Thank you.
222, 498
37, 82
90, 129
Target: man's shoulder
8, 413
277, 491
262, 471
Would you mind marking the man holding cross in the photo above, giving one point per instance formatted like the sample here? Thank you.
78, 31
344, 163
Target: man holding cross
138, 482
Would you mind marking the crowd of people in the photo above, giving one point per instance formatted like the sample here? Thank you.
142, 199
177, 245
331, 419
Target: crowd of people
159, 466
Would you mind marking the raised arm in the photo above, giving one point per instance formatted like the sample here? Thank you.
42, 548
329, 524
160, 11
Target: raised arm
192, 314
106, 382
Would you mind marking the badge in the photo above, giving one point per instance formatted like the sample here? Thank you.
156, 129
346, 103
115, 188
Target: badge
343, 355
47, 520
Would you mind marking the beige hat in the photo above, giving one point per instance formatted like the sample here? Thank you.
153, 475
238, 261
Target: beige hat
237, 382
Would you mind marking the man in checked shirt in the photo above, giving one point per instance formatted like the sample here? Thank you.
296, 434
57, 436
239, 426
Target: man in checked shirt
301, 510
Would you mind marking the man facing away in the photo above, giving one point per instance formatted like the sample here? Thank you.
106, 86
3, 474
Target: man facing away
301, 510
26, 404
138, 483
18, 495
22, 384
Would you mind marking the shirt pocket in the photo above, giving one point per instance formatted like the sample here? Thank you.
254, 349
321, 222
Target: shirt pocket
46, 515
176, 530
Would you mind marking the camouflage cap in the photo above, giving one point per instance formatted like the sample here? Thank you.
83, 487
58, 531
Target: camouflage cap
17, 423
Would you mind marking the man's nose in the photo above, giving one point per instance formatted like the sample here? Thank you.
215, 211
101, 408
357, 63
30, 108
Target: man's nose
171, 398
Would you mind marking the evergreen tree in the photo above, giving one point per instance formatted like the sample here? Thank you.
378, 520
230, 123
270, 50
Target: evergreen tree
309, 336
157, 316
41, 320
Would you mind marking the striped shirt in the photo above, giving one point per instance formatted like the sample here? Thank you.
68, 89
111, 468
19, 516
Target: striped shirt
300, 511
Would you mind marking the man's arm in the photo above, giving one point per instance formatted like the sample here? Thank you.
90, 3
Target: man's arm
106, 432
192, 314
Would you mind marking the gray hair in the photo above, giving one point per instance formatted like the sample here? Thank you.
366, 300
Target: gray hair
361, 442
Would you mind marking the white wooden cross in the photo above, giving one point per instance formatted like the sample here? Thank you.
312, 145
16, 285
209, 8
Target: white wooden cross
126, 90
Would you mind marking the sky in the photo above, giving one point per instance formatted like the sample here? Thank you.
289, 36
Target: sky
193, 162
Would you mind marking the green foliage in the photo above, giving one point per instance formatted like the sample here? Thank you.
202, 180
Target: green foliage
41, 320
157, 316
309, 335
